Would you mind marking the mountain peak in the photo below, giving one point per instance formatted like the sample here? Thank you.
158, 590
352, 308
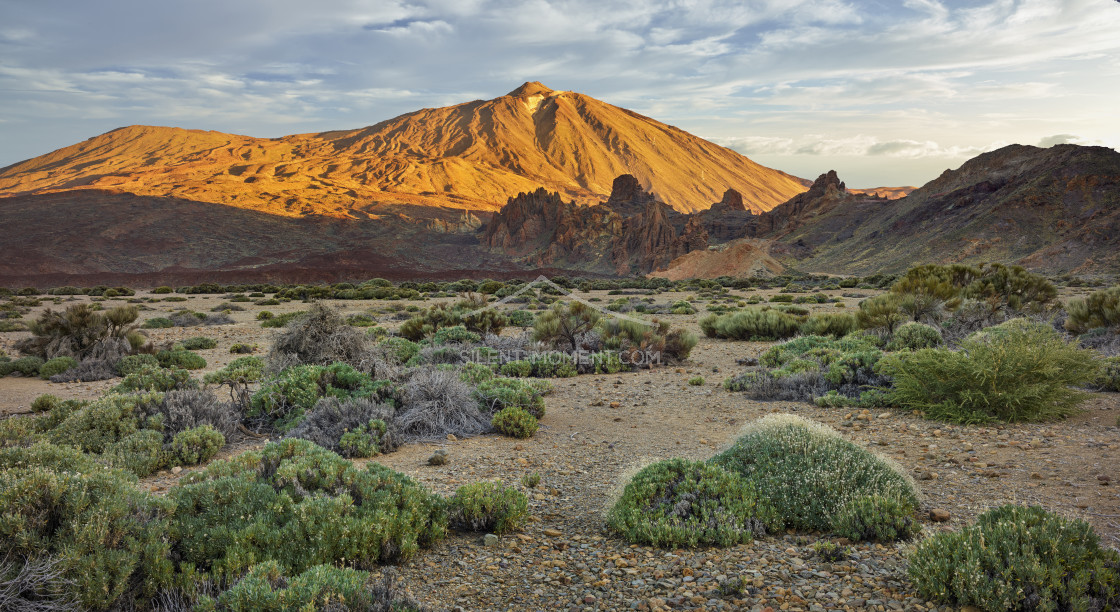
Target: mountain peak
530, 88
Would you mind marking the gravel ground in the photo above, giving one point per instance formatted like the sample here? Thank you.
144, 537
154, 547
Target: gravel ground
598, 429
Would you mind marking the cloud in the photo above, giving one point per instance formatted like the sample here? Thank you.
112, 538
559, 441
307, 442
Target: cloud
919, 80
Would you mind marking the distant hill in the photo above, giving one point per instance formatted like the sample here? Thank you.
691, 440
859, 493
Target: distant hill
472, 156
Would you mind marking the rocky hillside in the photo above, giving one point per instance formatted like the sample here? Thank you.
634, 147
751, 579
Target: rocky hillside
1053, 210
471, 156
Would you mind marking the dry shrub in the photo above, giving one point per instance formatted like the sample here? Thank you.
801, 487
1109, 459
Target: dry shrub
190, 408
87, 371
321, 337
332, 417
437, 403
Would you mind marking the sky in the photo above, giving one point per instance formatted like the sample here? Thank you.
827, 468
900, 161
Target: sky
888, 93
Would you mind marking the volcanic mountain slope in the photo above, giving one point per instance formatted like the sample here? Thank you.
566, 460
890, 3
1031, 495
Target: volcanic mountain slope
1052, 210
472, 156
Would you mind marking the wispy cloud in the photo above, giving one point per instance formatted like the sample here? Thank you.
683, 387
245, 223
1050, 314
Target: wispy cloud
908, 87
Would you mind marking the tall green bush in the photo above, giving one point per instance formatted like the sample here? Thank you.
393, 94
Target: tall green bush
1015, 371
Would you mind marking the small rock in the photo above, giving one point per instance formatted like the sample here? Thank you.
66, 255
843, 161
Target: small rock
939, 515
176, 470
615, 404
490, 540
552, 533
451, 438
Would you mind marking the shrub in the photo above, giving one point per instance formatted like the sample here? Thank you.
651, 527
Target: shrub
362, 442
751, 324
187, 409
522, 318
564, 323
696, 381
93, 428
517, 369
515, 422
530, 481
133, 363
181, 359
86, 371
163, 289
199, 343
471, 313
265, 588
140, 453
498, 393
158, 323
285, 398
44, 403
332, 419
238, 375
281, 320
435, 403
681, 503
876, 518
808, 473
836, 325
679, 344
78, 331
457, 334
1109, 377
1016, 371
265, 315
474, 373
195, 446
915, 336
881, 312
320, 338
488, 506
300, 505
55, 366
400, 349
1018, 558
27, 366
1099, 309
149, 378
106, 536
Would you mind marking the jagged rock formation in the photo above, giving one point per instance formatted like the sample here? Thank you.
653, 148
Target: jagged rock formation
631, 232
472, 156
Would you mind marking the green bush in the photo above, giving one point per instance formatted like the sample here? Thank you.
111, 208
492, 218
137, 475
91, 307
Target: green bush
265, 588
522, 318
158, 323
877, 519
93, 428
265, 315
679, 344
474, 373
1109, 377
181, 359
27, 366
696, 381
58, 365
140, 452
456, 334
154, 378
163, 289
401, 349
515, 422
78, 331
285, 398
364, 441
915, 336
836, 325
1019, 558
553, 365
564, 323
198, 343
300, 505
44, 403
517, 369
1016, 371
107, 536
133, 363
488, 506
881, 312
196, 446
1099, 309
281, 320
808, 473
498, 393
681, 503
751, 324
